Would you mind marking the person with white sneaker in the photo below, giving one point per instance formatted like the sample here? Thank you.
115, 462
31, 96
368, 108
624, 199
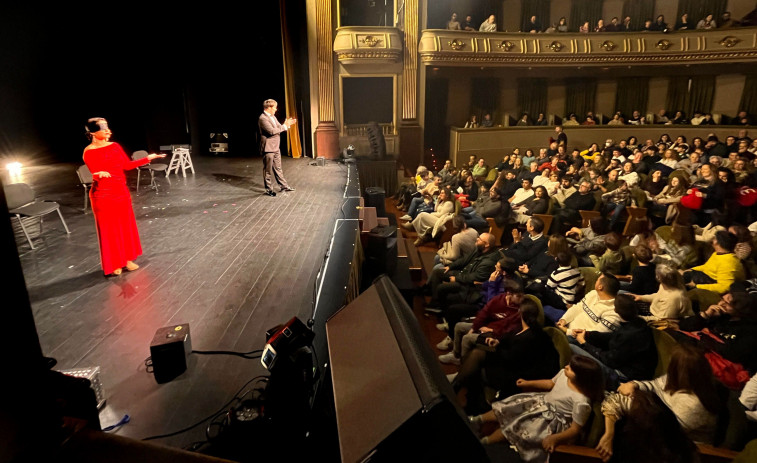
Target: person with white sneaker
499, 316
424, 202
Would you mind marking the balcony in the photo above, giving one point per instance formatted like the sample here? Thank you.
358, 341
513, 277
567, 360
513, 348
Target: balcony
502, 49
368, 45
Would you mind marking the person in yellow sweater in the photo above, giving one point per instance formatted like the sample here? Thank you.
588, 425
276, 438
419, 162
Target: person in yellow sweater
720, 270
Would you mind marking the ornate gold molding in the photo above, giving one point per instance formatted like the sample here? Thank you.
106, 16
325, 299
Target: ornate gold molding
663, 44
506, 45
600, 49
729, 41
556, 46
368, 45
456, 44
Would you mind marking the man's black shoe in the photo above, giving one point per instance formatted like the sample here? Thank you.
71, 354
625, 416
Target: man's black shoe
287, 189
270, 192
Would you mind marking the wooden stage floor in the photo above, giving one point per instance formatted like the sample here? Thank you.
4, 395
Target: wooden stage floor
218, 255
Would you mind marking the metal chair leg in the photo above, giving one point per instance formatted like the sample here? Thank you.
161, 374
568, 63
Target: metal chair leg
86, 198
24, 230
63, 221
139, 171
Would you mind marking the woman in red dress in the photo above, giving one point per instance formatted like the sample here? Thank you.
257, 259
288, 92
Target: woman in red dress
111, 201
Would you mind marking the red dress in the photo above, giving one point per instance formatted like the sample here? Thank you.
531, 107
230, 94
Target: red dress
111, 204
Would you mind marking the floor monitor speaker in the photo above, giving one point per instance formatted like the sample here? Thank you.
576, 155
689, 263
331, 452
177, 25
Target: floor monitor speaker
392, 400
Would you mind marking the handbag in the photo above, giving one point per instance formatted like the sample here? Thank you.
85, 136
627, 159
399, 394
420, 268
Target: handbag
733, 375
691, 200
463, 198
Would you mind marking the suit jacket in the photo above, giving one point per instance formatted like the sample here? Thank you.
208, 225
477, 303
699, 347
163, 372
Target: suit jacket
526, 249
270, 128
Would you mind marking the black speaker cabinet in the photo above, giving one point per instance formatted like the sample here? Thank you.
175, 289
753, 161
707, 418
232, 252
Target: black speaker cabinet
169, 350
392, 400
375, 197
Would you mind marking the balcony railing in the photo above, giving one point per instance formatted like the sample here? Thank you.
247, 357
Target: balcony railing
459, 48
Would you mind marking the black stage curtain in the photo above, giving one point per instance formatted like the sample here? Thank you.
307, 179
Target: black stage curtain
699, 9
582, 11
580, 96
639, 11
532, 97
538, 8
689, 94
749, 96
632, 94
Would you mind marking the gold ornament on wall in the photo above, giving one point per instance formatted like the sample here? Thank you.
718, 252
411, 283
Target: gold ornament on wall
729, 41
370, 40
506, 45
664, 44
607, 45
456, 44
556, 46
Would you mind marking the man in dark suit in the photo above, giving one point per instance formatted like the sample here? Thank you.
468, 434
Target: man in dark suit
270, 128
524, 249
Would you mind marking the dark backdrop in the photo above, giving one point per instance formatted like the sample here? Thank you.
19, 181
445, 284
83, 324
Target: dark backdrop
160, 75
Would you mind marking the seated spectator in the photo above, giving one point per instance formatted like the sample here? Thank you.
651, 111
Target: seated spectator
614, 25
522, 194
534, 25
679, 118
600, 27
697, 118
453, 24
498, 317
616, 202
595, 312
662, 117
659, 25
468, 25
463, 243
665, 204
572, 119
629, 175
528, 158
533, 274
541, 120
525, 352
612, 261
565, 189
580, 201
732, 326
591, 152
690, 164
680, 146
726, 21
687, 390
743, 249
552, 417
455, 283
562, 288
489, 25
562, 25
683, 23
616, 120
472, 123
625, 353
468, 187
480, 170
707, 23
585, 28
626, 26
405, 192
523, 121
526, 248
670, 300
487, 122
637, 119
643, 275
429, 224
423, 200
538, 203
679, 251
721, 270
648, 26
486, 206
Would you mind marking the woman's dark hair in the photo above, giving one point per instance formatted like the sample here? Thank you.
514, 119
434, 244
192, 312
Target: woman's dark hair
625, 306
544, 193
529, 312
613, 240
742, 233
651, 432
643, 254
557, 243
690, 371
589, 378
598, 225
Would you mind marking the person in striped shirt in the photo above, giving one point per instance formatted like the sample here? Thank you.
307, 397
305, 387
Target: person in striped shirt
562, 288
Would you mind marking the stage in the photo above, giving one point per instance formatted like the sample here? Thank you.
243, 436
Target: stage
218, 255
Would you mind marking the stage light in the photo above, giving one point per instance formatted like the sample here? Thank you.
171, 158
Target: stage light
14, 168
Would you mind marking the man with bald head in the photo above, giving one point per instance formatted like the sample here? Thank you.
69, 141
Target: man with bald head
455, 283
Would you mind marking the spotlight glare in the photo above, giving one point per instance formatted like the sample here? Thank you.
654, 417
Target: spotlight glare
14, 168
